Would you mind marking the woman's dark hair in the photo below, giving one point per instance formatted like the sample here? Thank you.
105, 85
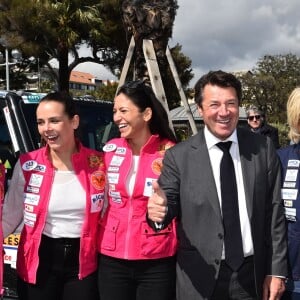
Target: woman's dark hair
65, 99
218, 78
143, 96
69, 106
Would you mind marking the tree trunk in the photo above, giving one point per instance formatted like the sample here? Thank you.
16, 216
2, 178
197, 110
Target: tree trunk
63, 69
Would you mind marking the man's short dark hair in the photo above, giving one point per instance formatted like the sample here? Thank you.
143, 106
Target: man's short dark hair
218, 78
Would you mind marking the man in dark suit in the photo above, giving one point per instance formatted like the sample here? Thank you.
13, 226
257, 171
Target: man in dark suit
189, 188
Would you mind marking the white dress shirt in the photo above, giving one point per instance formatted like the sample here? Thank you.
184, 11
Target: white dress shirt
215, 155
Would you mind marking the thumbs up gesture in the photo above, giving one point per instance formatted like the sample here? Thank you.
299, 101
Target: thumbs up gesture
157, 204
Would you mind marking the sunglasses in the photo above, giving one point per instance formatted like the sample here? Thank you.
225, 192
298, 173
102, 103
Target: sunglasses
251, 118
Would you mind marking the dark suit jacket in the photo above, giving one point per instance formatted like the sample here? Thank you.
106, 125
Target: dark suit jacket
270, 131
187, 179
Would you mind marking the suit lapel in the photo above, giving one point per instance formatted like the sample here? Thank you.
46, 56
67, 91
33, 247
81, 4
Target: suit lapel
201, 158
248, 170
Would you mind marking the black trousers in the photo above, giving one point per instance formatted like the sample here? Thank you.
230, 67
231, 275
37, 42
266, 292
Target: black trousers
57, 274
121, 279
238, 285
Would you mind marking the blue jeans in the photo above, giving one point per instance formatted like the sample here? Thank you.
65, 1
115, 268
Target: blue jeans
121, 279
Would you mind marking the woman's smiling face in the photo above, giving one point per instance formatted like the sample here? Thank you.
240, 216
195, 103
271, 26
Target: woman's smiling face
55, 126
127, 116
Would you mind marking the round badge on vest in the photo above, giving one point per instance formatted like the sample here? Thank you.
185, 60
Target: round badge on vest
109, 147
29, 165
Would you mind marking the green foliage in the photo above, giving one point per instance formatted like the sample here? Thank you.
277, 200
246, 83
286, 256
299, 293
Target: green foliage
106, 92
269, 84
283, 130
47, 86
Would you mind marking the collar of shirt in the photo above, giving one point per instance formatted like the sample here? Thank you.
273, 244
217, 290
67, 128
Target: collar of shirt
212, 140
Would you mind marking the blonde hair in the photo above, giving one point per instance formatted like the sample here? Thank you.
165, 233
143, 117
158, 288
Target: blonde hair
293, 115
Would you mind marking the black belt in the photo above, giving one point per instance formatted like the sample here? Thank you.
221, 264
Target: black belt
67, 242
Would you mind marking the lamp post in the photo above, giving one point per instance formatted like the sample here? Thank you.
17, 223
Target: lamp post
16, 55
33, 77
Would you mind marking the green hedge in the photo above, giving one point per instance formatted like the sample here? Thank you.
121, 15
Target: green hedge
283, 130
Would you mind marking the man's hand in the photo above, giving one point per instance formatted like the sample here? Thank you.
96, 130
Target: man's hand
273, 288
157, 204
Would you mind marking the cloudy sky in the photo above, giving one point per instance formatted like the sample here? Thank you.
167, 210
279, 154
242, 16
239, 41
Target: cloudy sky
231, 35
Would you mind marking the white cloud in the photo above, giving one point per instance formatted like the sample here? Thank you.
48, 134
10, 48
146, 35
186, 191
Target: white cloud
230, 35
97, 70
233, 35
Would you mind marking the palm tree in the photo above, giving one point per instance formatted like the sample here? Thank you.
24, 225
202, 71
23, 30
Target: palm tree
149, 20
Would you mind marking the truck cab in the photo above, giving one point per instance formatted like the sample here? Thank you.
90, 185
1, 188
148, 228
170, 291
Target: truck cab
19, 134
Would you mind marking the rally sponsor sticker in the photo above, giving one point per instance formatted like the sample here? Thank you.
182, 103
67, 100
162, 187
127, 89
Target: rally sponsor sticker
29, 222
288, 184
148, 190
109, 147
29, 216
291, 175
40, 168
121, 150
98, 180
32, 189
113, 169
31, 199
115, 194
29, 165
288, 203
97, 201
113, 178
290, 211
116, 161
29, 208
289, 194
294, 163
112, 187
36, 180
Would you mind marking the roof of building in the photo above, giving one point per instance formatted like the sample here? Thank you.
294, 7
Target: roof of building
179, 113
82, 77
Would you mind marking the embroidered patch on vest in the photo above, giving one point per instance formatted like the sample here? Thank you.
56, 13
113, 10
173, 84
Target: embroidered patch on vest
156, 166
98, 180
94, 161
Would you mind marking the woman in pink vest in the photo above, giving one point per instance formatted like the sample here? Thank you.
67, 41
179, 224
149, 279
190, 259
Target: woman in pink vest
57, 193
135, 261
